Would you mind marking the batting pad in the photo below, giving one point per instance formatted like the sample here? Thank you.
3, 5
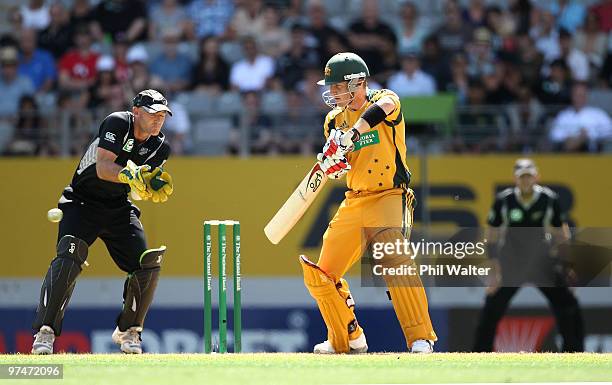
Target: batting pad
407, 294
335, 304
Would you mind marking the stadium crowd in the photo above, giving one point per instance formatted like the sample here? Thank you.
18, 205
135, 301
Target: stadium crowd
525, 75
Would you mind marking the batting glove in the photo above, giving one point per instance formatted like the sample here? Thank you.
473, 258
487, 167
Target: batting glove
333, 168
339, 143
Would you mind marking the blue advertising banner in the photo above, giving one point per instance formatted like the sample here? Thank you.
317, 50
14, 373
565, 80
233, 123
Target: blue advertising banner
172, 330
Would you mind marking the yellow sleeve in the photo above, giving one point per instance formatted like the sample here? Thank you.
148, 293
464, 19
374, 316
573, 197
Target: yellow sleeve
398, 107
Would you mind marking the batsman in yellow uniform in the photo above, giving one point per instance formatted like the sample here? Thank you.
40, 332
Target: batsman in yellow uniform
366, 142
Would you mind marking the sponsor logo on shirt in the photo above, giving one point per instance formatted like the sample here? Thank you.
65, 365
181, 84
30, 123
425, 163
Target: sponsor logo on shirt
367, 139
516, 215
143, 150
109, 136
128, 145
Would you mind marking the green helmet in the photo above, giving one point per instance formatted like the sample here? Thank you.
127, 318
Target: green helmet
343, 67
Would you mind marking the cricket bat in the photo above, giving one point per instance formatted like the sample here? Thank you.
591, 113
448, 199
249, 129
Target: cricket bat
297, 204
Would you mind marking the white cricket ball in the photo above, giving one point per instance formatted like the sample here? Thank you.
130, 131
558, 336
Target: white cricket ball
55, 215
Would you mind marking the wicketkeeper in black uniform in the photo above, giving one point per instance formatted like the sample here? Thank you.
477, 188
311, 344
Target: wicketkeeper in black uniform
526, 225
126, 155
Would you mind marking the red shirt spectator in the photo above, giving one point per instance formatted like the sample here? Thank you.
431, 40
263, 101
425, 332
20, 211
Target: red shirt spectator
604, 12
79, 65
77, 68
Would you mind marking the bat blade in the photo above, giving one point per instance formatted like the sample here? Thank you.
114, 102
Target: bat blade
297, 204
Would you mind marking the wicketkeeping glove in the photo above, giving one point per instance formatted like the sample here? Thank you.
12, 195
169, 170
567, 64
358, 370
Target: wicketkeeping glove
339, 143
159, 184
135, 177
333, 168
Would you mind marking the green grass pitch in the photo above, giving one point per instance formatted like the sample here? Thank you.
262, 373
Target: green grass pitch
289, 368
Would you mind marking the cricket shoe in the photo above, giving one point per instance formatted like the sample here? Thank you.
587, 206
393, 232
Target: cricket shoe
129, 340
43, 341
357, 346
422, 346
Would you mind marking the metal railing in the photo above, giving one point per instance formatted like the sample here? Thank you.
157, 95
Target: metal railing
244, 132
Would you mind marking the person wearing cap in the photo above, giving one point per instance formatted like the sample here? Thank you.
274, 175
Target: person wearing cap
12, 85
526, 225
366, 142
124, 159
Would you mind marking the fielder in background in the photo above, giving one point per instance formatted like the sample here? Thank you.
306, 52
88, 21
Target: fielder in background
127, 154
526, 226
366, 141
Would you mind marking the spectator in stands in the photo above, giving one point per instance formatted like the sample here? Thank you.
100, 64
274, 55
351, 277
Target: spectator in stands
478, 120
555, 89
35, 63
248, 19
29, 137
371, 37
311, 91
262, 137
529, 59
211, 73
71, 117
12, 85
575, 59
106, 93
173, 67
480, 53
294, 12
319, 32
411, 31
570, 14
169, 14
411, 80
580, 127
476, 14
335, 44
458, 81
605, 76
545, 34
35, 15
524, 119
140, 77
115, 18
122, 68
521, 11
81, 13
454, 34
435, 61
291, 66
495, 89
252, 72
209, 17
297, 136
503, 28
15, 19
77, 68
592, 41
604, 12
274, 40
57, 37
